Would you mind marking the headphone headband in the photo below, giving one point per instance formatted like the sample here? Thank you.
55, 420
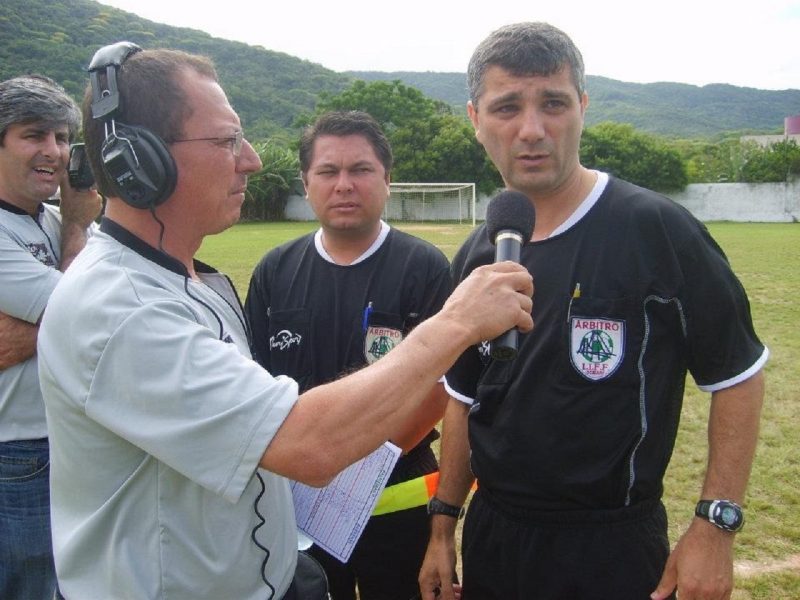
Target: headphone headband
105, 101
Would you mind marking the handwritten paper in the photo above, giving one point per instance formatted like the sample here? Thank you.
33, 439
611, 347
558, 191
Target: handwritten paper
334, 516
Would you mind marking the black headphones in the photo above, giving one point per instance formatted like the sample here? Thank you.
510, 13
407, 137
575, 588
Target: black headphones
134, 158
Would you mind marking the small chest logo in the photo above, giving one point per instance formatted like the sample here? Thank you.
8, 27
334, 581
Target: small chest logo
284, 339
41, 254
379, 341
597, 346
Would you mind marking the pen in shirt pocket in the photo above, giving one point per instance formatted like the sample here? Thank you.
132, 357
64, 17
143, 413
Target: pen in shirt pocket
367, 312
576, 293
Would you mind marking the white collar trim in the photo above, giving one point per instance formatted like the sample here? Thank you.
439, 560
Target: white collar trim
369, 252
585, 206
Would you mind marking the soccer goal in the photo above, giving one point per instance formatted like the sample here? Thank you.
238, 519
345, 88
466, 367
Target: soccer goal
431, 202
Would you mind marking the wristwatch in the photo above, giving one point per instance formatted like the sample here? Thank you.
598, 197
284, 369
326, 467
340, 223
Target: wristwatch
437, 507
725, 514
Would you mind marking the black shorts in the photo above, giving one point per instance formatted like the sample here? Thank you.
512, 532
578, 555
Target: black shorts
597, 555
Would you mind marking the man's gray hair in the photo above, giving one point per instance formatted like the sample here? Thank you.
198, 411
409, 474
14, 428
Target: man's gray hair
37, 99
525, 49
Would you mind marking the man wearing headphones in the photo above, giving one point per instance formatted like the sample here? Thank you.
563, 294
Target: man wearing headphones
38, 241
172, 447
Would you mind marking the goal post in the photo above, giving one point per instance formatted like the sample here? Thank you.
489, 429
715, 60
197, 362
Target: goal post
408, 202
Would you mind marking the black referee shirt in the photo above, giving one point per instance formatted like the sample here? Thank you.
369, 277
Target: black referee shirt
315, 321
625, 301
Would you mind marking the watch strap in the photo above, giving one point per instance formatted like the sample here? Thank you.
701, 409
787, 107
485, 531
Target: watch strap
703, 508
438, 507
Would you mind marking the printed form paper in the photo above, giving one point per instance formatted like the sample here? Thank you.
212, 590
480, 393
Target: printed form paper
335, 516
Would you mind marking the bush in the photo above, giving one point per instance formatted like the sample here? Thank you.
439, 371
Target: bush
268, 190
636, 157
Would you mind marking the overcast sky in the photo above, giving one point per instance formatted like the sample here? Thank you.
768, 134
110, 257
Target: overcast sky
749, 44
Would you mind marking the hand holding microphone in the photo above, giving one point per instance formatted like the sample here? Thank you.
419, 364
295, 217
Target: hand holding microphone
510, 218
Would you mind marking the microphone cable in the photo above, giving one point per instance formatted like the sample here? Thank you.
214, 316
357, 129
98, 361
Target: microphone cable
255, 540
185, 277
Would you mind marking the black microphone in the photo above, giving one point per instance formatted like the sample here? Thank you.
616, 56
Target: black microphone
510, 218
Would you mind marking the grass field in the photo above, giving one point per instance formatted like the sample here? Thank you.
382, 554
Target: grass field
767, 259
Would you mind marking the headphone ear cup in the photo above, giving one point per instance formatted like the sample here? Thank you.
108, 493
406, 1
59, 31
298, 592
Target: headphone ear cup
140, 165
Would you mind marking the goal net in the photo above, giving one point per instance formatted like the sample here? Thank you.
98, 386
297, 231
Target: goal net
453, 202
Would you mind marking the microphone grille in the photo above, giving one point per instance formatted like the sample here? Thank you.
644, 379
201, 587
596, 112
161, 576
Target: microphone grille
510, 210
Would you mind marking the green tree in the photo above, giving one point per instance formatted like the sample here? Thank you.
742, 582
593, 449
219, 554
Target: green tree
637, 157
774, 163
268, 190
733, 160
442, 148
710, 162
390, 103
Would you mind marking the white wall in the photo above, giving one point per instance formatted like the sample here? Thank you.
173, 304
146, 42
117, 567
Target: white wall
747, 202
298, 209
744, 202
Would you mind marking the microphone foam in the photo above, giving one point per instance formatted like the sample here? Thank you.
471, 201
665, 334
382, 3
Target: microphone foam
510, 210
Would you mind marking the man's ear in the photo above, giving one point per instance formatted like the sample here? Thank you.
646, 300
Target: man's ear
304, 179
472, 113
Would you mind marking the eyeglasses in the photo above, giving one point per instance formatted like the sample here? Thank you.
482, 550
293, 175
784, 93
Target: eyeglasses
234, 140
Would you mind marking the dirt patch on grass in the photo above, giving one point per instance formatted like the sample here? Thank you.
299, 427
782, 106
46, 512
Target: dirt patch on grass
748, 568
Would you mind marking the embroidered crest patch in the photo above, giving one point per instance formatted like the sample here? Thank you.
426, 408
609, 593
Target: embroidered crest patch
597, 346
379, 340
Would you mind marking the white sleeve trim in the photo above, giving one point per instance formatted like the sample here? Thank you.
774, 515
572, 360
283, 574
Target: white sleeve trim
460, 397
715, 387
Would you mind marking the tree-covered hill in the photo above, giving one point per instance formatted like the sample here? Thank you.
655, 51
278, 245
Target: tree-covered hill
58, 38
270, 89
689, 111
669, 109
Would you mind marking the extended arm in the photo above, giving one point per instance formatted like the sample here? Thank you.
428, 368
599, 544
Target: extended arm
701, 565
422, 421
333, 425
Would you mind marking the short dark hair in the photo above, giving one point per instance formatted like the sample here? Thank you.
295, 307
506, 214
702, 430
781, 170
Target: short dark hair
151, 96
37, 99
525, 49
340, 124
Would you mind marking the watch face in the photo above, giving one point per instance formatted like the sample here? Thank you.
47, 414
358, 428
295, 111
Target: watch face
729, 516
